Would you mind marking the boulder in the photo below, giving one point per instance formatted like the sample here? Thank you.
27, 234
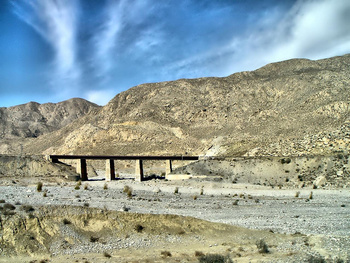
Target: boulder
320, 181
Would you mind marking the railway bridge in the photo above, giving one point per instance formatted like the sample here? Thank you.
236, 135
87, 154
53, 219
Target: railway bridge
110, 168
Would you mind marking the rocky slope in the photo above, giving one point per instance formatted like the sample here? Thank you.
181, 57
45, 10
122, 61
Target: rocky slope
33, 119
282, 103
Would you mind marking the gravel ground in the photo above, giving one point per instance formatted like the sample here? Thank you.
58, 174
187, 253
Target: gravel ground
327, 213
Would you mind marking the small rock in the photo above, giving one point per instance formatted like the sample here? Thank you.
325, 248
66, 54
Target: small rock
320, 181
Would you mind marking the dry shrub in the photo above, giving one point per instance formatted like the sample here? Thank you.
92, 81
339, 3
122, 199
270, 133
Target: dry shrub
198, 254
139, 228
215, 258
27, 208
8, 212
66, 221
93, 239
128, 190
9, 206
39, 187
262, 246
311, 196
165, 254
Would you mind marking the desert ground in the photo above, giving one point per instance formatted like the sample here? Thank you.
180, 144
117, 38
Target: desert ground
158, 220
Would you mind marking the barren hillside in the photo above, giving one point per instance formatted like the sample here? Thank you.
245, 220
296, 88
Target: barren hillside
32, 119
273, 110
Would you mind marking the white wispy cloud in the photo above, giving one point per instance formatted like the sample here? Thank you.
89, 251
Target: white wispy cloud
56, 22
106, 37
121, 18
311, 29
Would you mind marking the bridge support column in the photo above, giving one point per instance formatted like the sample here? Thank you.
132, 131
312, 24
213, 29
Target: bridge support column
110, 170
81, 169
139, 171
169, 167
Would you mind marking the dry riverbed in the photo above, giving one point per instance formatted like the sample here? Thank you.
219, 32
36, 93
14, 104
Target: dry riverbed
296, 224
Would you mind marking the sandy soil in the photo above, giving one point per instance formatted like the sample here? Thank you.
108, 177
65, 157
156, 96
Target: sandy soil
295, 225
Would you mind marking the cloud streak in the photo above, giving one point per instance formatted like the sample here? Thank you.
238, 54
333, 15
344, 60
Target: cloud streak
56, 22
104, 47
105, 40
310, 29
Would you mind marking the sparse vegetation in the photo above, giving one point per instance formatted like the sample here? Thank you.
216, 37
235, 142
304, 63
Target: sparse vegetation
202, 191
86, 186
176, 191
6, 212
262, 246
105, 186
311, 196
2, 201
77, 186
194, 197
125, 209
86, 204
297, 194
198, 254
107, 255
316, 259
94, 239
139, 228
215, 258
9, 206
27, 208
39, 186
165, 254
66, 221
128, 190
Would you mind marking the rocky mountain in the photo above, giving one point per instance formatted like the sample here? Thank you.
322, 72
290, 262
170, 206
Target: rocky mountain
33, 119
274, 110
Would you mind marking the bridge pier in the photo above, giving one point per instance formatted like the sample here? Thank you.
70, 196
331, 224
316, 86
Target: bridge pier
110, 170
81, 169
139, 171
169, 167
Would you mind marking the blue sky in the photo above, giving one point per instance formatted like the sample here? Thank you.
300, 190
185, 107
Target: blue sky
53, 50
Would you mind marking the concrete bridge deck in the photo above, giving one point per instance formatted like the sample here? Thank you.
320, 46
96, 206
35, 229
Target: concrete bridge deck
110, 168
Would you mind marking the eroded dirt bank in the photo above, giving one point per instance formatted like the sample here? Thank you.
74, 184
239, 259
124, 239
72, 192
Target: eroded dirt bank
62, 233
